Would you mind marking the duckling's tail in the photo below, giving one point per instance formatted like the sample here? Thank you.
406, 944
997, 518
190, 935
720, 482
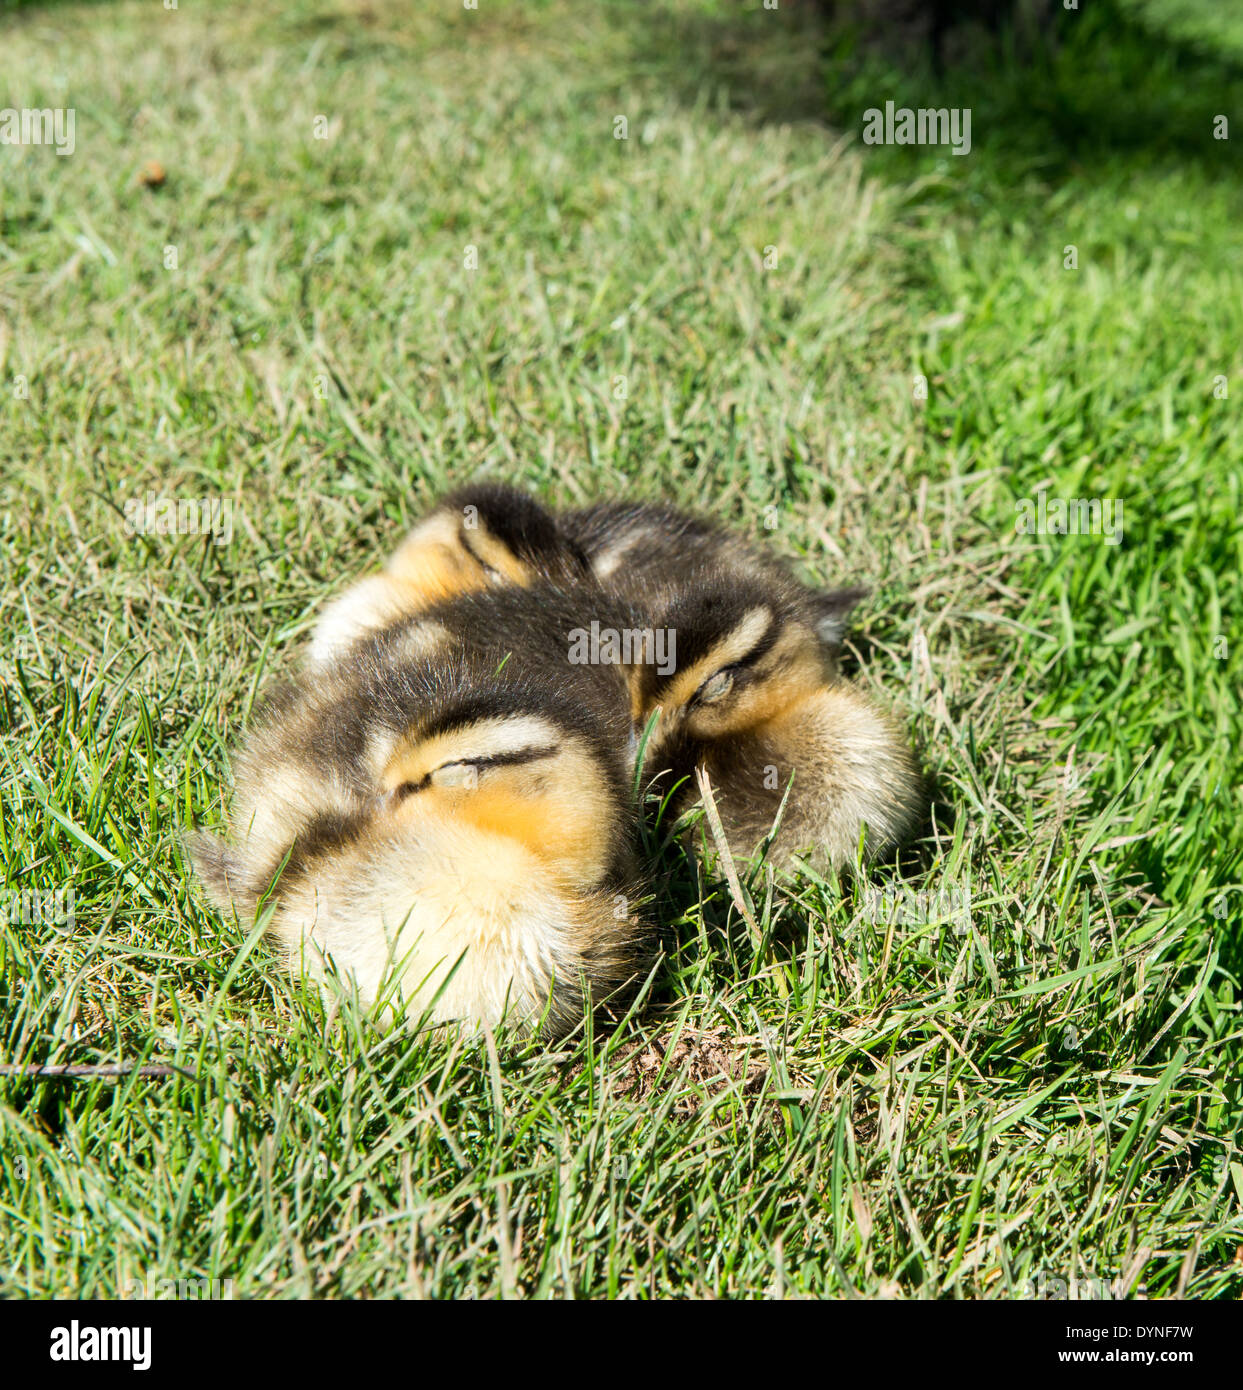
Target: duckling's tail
221, 870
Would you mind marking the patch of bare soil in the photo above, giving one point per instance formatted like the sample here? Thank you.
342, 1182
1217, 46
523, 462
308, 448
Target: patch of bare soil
699, 1064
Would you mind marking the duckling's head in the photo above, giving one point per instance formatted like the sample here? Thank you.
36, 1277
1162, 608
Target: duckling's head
747, 652
491, 875
759, 703
484, 535
479, 538
517, 775
448, 809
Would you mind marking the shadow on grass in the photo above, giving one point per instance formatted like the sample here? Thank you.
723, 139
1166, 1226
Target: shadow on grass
1108, 90
20, 8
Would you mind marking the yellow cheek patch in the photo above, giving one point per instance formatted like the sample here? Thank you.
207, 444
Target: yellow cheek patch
793, 718
562, 813
798, 674
435, 562
771, 700
431, 563
436, 573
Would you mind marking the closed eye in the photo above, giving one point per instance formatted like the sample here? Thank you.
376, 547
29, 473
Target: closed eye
464, 773
716, 687
493, 575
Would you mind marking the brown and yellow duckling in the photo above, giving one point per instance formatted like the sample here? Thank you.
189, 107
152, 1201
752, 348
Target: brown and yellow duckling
757, 700
486, 535
450, 800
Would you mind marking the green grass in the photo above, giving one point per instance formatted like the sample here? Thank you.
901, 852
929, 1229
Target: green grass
842, 1104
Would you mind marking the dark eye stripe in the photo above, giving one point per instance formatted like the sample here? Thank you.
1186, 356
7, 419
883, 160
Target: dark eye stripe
761, 648
474, 555
521, 755
655, 685
514, 759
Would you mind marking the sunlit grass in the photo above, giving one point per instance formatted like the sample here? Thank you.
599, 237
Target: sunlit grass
927, 1108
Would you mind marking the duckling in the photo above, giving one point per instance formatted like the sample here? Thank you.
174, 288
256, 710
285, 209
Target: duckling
758, 700
447, 811
657, 555
479, 536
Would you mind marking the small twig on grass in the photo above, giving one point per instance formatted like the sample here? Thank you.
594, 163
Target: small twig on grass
59, 1071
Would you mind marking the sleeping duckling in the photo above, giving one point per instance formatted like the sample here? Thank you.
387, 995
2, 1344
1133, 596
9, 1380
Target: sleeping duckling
758, 698
656, 556
451, 803
484, 535
759, 704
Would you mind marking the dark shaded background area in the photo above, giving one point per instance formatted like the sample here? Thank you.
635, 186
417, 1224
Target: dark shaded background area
1048, 88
